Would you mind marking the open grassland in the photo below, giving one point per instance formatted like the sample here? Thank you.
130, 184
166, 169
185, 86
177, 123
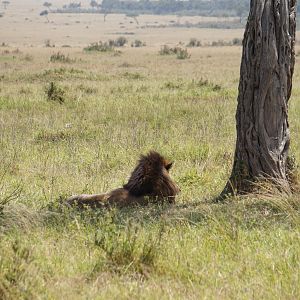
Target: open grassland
117, 105
22, 24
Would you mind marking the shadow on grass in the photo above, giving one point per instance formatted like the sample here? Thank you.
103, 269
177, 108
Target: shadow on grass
248, 212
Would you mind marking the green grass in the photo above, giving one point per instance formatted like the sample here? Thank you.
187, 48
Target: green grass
114, 109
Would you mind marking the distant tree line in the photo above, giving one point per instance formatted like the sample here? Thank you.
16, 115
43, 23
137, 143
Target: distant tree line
238, 8
190, 7
180, 7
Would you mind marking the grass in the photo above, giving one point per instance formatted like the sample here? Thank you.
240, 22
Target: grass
114, 109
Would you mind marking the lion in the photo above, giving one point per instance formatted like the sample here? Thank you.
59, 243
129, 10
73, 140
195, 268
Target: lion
149, 182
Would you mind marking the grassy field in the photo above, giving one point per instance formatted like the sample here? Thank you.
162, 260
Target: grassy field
117, 105
23, 25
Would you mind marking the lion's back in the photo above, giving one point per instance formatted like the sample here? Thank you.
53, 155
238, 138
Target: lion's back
122, 197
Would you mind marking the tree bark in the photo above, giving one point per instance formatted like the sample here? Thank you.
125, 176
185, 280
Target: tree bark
267, 67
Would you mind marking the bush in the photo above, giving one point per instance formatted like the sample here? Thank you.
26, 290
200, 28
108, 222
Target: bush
178, 51
205, 83
219, 43
100, 46
106, 46
194, 43
234, 42
166, 50
120, 42
138, 43
237, 42
55, 93
182, 53
48, 44
60, 57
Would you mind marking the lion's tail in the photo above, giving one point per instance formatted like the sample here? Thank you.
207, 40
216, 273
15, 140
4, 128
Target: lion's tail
81, 201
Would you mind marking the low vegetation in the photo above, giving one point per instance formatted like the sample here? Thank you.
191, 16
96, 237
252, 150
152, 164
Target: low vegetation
99, 46
107, 46
60, 57
180, 52
138, 43
113, 108
193, 43
134, 8
55, 93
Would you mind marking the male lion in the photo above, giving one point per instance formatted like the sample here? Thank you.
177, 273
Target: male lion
149, 182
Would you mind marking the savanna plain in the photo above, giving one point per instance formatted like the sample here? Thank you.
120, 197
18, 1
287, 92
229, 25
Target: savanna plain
75, 121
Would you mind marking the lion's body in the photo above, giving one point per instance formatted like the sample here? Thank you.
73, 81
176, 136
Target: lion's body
119, 197
149, 182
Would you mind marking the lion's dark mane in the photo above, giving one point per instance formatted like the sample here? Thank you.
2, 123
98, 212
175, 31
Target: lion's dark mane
151, 177
149, 181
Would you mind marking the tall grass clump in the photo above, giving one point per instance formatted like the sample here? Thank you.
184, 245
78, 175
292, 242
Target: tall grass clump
48, 44
7, 194
18, 274
107, 46
128, 248
138, 44
233, 42
55, 93
13, 214
178, 51
119, 42
194, 43
166, 50
99, 47
60, 57
182, 54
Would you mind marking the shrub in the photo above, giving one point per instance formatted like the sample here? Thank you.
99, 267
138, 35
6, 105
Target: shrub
182, 53
194, 43
205, 83
219, 43
120, 41
166, 50
178, 51
48, 44
55, 93
60, 57
99, 46
106, 46
237, 42
234, 42
137, 44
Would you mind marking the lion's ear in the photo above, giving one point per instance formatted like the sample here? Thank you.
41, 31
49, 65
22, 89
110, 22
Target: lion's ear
169, 165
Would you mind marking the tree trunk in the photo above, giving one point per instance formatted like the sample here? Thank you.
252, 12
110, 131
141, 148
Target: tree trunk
265, 86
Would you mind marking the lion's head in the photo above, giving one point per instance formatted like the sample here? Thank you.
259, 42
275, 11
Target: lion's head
151, 178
